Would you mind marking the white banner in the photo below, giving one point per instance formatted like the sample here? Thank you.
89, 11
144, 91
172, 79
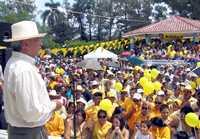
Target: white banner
164, 62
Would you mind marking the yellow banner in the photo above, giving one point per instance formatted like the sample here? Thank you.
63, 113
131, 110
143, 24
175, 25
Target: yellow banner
172, 36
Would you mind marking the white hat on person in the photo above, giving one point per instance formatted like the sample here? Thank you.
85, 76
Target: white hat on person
24, 30
53, 93
79, 88
137, 96
140, 90
188, 87
160, 93
82, 100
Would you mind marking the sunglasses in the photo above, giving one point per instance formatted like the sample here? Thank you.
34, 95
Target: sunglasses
102, 117
144, 108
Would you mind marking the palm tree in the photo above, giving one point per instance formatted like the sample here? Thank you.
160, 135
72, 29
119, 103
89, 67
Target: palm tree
52, 15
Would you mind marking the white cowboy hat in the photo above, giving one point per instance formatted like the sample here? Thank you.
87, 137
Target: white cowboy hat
24, 30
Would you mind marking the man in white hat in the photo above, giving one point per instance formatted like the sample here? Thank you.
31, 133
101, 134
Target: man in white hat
26, 100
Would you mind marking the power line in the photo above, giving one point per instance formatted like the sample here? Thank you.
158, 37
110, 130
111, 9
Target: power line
86, 14
19, 2
105, 17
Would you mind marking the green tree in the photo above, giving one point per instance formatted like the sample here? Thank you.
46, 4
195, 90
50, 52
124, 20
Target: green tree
90, 18
14, 11
57, 22
186, 8
160, 12
52, 15
132, 14
81, 7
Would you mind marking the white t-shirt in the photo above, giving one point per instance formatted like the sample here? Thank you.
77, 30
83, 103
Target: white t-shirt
139, 135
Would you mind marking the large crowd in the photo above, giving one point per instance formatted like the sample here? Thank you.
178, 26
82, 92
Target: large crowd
114, 103
127, 101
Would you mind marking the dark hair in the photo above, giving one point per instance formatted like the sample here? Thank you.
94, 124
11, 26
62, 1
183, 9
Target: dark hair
163, 106
121, 120
147, 123
69, 104
118, 110
181, 135
157, 121
16, 46
101, 111
198, 91
98, 94
186, 110
83, 114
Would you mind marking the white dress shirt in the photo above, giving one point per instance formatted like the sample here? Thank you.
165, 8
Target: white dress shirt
1, 74
26, 99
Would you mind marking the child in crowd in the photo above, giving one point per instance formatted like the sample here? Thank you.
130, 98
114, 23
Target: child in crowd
143, 131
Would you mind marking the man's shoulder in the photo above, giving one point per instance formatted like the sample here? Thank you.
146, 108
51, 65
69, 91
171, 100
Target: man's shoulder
18, 65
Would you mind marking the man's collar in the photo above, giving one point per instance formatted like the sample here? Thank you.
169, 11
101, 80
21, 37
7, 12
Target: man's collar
24, 57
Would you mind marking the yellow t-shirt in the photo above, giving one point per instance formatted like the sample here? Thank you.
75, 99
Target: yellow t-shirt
55, 126
91, 113
142, 118
161, 133
121, 103
155, 112
100, 132
135, 115
128, 105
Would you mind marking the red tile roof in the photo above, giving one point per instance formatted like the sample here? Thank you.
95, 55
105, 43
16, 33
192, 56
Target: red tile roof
174, 24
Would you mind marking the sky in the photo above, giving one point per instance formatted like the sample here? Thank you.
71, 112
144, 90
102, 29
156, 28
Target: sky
40, 6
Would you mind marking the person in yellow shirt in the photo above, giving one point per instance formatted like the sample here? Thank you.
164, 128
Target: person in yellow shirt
159, 130
164, 110
128, 105
112, 97
55, 126
156, 108
101, 127
123, 95
132, 120
94, 86
187, 96
144, 113
92, 110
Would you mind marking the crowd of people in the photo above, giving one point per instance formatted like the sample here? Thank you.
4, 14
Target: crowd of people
54, 96
135, 114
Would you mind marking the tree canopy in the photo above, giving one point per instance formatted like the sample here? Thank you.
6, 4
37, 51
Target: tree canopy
96, 20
